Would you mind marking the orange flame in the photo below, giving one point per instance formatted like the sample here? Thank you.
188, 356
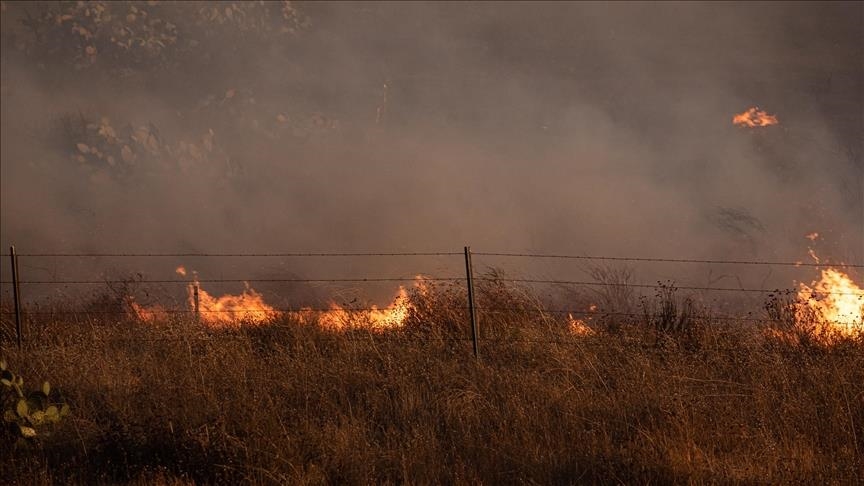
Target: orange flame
231, 310
338, 318
835, 301
249, 308
147, 314
578, 326
181, 270
754, 117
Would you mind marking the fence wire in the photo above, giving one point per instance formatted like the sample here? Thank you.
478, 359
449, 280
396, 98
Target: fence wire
668, 260
235, 255
659, 285
435, 254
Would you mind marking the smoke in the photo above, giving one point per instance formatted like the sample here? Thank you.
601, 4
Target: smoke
574, 128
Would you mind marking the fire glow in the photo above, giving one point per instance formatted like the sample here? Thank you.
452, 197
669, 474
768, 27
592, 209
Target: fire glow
754, 117
579, 327
835, 302
231, 310
338, 318
249, 308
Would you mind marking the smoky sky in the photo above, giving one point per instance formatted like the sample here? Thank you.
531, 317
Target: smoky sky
578, 128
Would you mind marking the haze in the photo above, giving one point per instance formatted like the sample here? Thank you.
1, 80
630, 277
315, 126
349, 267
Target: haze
575, 128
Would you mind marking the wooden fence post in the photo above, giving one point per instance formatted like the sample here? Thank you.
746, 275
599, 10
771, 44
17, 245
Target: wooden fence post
472, 310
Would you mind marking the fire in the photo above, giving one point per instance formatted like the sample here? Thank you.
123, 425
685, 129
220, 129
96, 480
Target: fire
337, 318
754, 117
578, 326
231, 310
812, 236
226, 311
835, 301
250, 308
146, 314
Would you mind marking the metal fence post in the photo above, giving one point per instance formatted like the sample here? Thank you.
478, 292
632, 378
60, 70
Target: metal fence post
472, 310
16, 294
196, 301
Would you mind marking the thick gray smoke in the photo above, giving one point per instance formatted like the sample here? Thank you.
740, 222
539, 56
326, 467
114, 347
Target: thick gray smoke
578, 128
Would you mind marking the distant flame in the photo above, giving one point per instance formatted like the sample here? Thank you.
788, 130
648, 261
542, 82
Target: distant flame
813, 255
812, 236
578, 326
836, 302
231, 310
147, 314
754, 117
249, 308
338, 318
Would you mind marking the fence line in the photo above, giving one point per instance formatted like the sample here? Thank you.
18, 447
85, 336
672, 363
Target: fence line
669, 260
238, 280
232, 255
472, 307
426, 254
650, 286
425, 279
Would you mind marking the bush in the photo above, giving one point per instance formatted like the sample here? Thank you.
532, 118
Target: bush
28, 415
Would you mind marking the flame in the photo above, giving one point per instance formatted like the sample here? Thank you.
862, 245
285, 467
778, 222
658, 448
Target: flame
835, 301
231, 310
812, 236
226, 311
146, 314
578, 326
338, 318
754, 117
249, 308
813, 255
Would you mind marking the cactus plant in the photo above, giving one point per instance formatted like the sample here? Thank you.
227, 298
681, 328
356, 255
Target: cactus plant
28, 414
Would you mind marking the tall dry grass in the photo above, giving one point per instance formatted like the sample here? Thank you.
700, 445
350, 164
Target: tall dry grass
703, 402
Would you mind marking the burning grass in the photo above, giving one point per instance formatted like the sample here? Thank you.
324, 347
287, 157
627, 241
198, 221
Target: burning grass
177, 401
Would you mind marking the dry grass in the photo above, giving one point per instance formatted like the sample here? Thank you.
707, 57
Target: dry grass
175, 403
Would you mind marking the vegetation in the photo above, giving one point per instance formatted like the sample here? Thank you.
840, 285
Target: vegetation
635, 402
27, 415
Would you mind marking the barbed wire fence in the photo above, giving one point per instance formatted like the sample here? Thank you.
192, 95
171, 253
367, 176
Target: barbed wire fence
468, 280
